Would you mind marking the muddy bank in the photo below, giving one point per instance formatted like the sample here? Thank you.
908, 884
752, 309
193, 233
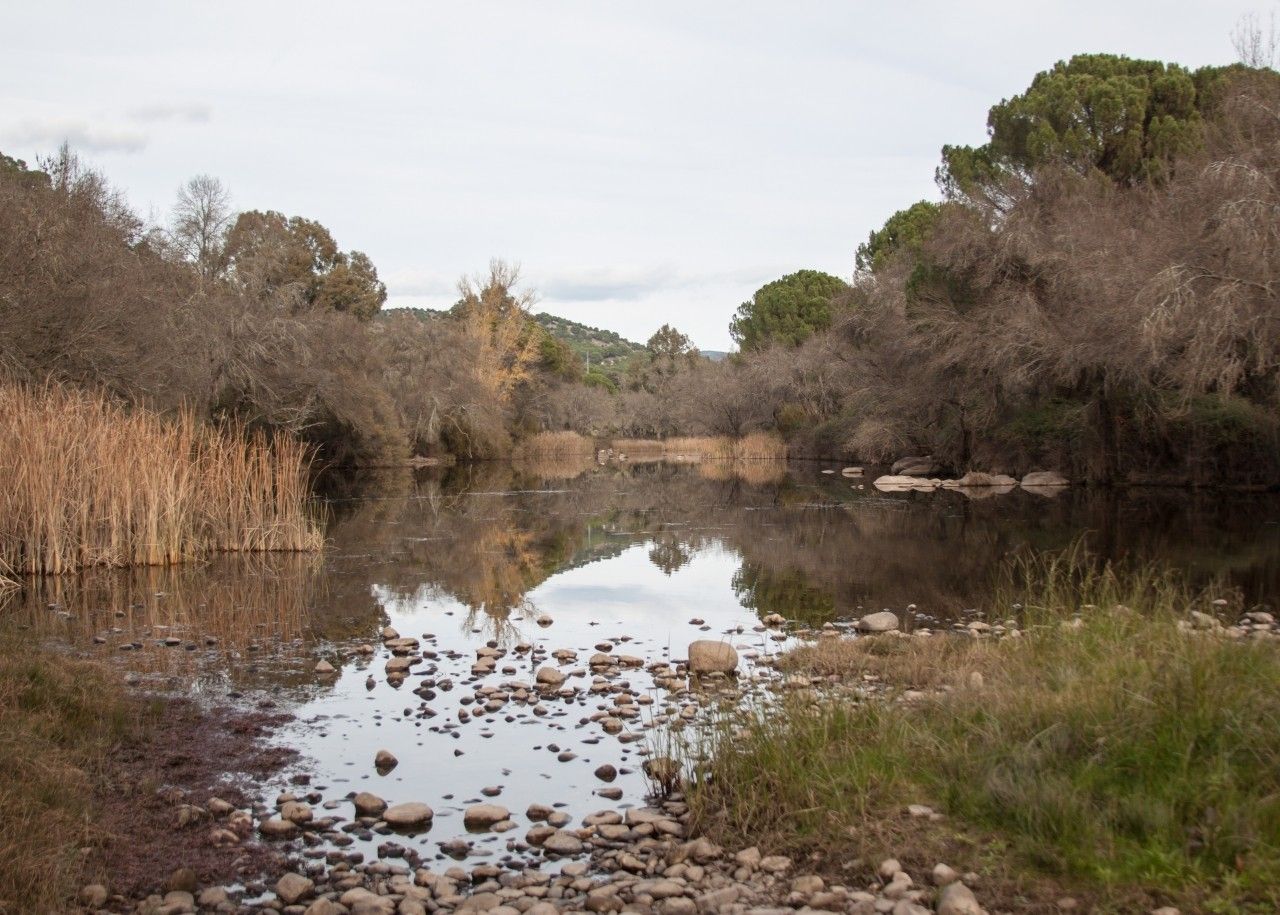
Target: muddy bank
153, 804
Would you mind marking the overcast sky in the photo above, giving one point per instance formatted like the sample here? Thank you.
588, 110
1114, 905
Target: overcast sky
644, 162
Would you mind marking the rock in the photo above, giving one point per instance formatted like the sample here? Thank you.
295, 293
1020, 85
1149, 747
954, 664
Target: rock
1204, 620
292, 888
664, 770
562, 843
1045, 478
889, 868
706, 656
1166, 910
898, 483
977, 478
749, 858
958, 899
183, 880
369, 805
678, 905
94, 896
775, 864
538, 812
549, 676
385, 761
406, 816
606, 773
278, 828
212, 897
482, 816
296, 812
851, 472
324, 667
884, 621
943, 875
807, 884
915, 467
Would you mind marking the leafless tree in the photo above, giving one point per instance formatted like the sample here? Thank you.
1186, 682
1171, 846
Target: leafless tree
200, 219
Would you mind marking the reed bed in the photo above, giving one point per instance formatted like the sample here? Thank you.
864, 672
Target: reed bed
757, 446
91, 483
565, 444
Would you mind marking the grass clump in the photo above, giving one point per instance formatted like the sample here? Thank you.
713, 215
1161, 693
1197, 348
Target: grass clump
58, 721
1121, 756
91, 483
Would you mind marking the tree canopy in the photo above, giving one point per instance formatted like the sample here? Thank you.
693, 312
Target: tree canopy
271, 254
1125, 118
905, 230
787, 310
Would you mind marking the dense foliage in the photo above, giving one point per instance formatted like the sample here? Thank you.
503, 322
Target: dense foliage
789, 310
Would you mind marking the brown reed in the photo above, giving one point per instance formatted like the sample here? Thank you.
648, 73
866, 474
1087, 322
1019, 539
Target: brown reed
87, 482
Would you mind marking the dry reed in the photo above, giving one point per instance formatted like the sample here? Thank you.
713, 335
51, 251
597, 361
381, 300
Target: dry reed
91, 483
565, 444
757, 446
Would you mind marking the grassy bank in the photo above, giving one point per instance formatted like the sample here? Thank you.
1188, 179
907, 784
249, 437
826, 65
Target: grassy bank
1121, 758
91, 483
59, 719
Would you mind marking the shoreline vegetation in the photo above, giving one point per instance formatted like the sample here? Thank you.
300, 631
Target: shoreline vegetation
1117, 740
92, 483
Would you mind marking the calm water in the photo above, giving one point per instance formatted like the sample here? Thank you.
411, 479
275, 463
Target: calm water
630, 557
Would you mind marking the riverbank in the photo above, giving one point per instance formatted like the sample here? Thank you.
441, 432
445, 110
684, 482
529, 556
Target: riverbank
1114, 748
107, 787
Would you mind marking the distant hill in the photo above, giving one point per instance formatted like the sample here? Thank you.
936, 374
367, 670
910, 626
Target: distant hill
599, 347
603, 349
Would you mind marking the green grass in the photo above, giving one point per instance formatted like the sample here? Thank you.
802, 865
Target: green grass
58, 720
1123, 759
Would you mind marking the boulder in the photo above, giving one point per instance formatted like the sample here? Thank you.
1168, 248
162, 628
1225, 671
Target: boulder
324, 667
978, 478
407, 816
707, 656
901, 483
562, 843
958, 899
1045, 478
915, 467
293, 887
482, 816
549, 676
884, 621
385, 761
369, 805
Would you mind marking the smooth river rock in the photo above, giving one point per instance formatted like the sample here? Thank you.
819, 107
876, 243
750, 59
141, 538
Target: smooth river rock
884, 621
482, 816
405, 816
706, 656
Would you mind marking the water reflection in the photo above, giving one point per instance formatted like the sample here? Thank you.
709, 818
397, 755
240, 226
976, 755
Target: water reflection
645, 557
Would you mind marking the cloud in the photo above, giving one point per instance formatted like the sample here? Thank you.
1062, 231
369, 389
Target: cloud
80, 135
190, 112
593, 284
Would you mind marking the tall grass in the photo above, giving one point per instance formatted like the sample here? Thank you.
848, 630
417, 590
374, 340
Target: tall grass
1122, 756
90, 483
564, 444
755, 446
58, 720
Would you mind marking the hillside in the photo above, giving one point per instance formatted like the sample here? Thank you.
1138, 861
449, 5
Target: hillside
598, 347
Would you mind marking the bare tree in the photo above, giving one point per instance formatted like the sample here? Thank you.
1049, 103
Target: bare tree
1254, 46
201, 218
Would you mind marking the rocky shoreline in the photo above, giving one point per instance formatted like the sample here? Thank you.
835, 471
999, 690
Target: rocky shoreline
639, 860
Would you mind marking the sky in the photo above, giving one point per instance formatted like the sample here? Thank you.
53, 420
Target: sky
644, 163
